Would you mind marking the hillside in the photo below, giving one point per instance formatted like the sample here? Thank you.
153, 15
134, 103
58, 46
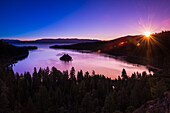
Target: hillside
153, 50
10, 54
103, 46
159, 105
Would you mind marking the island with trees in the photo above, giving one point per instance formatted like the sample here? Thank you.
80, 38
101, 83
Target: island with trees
52, 91
66, 57
153, 50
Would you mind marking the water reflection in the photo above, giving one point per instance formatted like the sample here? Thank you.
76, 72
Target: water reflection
101, 63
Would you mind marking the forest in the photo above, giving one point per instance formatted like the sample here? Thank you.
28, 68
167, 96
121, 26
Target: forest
84, 56
153, 50
52, 91
10, 54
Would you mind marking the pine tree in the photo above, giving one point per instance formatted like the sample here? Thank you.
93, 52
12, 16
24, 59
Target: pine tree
3, 103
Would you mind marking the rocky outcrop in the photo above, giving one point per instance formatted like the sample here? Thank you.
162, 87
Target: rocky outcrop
160, 105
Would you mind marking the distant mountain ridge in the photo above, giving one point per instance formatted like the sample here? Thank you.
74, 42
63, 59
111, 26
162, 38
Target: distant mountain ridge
43, 41
153, 50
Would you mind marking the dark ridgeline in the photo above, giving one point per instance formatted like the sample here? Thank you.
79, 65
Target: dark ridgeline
51, 91
135, 48
50, 41
55, 92
9, 54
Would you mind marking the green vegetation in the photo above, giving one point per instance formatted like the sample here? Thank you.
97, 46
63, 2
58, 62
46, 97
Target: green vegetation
54, 91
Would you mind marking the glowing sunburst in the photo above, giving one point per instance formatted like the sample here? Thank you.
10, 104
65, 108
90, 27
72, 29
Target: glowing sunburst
150, 42
147, 33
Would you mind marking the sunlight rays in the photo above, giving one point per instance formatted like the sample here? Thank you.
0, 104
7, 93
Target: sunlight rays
147, 33
150, 43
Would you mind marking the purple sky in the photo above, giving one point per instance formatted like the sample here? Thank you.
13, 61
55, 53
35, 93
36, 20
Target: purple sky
101, 19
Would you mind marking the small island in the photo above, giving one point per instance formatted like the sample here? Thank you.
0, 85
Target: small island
66, 57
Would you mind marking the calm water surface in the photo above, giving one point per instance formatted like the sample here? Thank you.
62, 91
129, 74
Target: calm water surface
100, 63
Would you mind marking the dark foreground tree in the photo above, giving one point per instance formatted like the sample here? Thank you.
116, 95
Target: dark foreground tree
52, 91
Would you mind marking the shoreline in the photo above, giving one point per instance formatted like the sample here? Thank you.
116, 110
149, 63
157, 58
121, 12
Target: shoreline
129, 59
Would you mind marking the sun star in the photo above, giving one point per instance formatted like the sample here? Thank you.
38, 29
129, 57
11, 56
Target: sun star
147, 33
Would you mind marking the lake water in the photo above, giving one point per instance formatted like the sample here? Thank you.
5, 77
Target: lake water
100, 63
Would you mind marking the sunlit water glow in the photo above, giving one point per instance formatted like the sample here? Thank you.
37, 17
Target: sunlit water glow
100, 63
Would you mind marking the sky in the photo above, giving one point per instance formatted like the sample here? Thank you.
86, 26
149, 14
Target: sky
94, 19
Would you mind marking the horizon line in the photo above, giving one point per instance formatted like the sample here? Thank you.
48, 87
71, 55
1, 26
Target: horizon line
61, 37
